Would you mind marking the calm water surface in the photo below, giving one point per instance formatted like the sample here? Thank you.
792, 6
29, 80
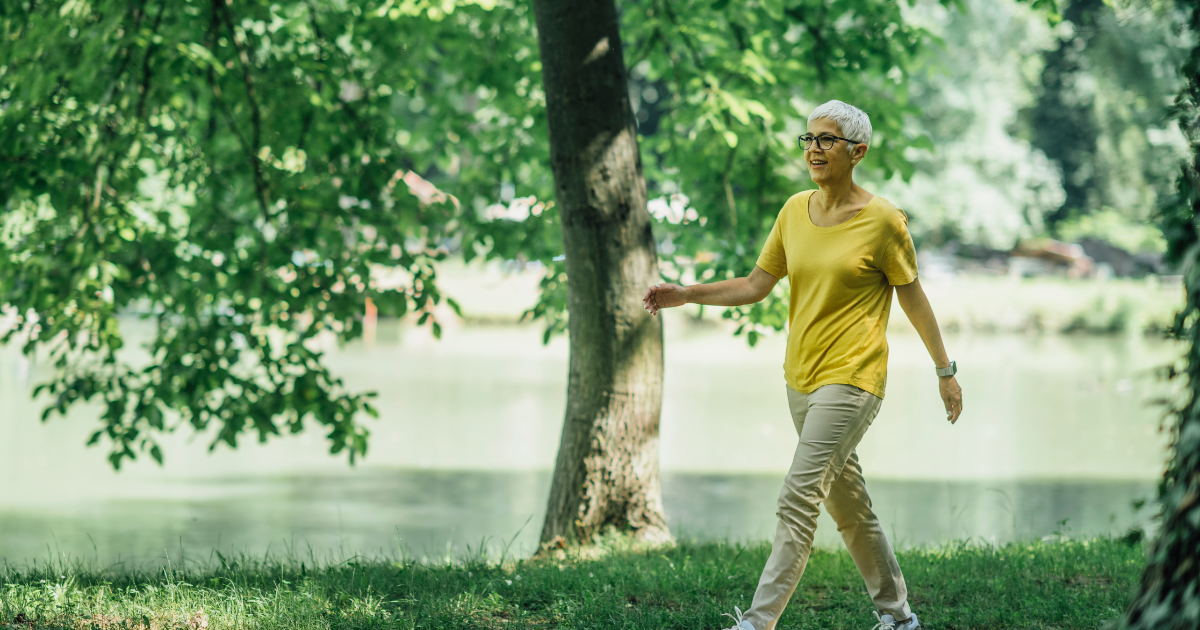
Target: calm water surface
1056, 435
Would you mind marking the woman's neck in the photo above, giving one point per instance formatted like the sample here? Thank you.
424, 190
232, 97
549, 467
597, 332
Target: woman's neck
834, 195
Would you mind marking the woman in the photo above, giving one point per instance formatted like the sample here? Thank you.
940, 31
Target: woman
843, 250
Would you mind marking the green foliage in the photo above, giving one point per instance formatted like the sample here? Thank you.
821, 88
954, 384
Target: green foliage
226, 170
1072, 584
979, 183
1116, 228
1102, 109
1040, 125
1169, 595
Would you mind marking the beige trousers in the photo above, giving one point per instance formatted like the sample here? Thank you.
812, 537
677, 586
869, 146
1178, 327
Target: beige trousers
830, 422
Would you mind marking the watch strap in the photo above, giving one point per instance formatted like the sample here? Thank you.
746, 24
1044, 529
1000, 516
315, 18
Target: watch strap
950, 370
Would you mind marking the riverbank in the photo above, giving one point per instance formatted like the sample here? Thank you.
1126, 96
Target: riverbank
1058, 584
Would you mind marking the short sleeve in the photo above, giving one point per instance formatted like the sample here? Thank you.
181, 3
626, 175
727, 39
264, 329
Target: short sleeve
773, 258
898, 258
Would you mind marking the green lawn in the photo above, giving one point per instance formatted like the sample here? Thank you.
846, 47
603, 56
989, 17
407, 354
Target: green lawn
1071, 584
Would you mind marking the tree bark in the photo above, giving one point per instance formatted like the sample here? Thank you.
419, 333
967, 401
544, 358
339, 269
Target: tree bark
1169, 595
607, 468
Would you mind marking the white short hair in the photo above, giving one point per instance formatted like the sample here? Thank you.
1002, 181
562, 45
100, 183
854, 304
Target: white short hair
854, 122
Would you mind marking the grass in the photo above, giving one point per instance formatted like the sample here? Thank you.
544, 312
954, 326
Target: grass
1065, 584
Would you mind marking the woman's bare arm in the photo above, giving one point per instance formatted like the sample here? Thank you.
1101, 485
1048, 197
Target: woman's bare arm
920, 313
732, 292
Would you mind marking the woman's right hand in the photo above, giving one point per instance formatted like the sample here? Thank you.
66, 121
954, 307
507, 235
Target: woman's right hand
664, 295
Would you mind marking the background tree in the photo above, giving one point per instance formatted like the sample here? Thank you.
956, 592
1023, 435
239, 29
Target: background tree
1062, 121
1008, 121
607, 468
1169, 595
981, 184
1104, 92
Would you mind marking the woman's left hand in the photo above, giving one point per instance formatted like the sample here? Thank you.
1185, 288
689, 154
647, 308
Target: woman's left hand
951, 397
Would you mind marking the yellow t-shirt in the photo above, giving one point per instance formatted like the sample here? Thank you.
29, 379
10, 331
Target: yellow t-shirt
842, 278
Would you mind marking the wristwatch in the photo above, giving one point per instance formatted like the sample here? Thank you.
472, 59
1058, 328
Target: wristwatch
951, 370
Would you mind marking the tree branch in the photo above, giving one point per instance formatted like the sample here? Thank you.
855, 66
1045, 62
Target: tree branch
306, 120
697, 58
641, 50
728, 186
347, 107
145, 87
260, 182
138, 14
218, 95
796, 13
760, 197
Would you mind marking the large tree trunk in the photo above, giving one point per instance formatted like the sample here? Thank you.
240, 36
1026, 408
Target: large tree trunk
607, 469
1169, 596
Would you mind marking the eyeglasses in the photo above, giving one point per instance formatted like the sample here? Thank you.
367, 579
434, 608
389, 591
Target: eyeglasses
825, 141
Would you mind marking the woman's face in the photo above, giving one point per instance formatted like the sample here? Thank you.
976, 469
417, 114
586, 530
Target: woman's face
826, 166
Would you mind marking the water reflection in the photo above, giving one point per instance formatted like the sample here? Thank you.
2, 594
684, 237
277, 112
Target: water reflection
431, 514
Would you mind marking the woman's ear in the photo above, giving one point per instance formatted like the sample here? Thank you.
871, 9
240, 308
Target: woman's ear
860, 151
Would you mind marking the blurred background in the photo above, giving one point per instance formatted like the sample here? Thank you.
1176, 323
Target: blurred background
1047, 154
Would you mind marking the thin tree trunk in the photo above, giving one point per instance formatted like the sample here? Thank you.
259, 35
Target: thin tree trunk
1169, 595
607, 468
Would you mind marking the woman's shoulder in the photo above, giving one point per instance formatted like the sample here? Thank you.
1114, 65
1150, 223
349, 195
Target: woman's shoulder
889, 213
798, 198
796, 203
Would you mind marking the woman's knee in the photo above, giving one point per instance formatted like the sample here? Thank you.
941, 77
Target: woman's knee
848, 512
798, 508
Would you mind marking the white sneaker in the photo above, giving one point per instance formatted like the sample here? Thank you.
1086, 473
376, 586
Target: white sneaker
888, 622
739, 623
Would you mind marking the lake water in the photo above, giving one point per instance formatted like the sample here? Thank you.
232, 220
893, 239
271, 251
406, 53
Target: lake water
1056, 436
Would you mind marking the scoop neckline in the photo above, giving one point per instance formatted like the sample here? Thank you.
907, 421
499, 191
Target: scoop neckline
830, 228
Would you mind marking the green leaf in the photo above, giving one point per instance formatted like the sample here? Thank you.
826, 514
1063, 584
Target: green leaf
758, 109
201, 56
154, 417
735, 106
922, 141
774, 9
